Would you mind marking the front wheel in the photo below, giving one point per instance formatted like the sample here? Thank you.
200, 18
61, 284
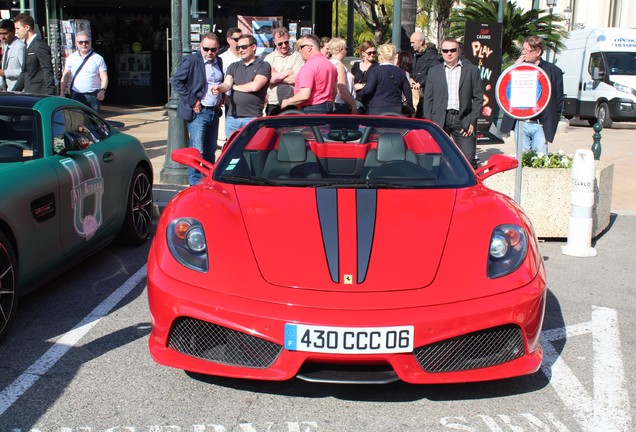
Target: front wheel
603, 115
8, 285
138, 218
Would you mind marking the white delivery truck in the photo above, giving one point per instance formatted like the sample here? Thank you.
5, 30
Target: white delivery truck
599, 75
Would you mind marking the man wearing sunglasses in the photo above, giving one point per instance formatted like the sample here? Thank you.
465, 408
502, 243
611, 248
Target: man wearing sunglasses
194, 80
285, 66
85, 74
453, 97
231, 54
247, 80
424, 58
315, 88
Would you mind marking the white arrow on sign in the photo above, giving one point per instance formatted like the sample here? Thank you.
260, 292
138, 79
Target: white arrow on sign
608, 409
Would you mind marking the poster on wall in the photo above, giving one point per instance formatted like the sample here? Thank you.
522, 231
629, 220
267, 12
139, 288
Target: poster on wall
261, 28
482, 47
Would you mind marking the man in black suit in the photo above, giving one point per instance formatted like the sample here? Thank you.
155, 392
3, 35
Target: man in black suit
453, 97
541, 129
38, 70
198, 106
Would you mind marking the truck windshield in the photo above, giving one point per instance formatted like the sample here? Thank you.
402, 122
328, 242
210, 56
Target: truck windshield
621, 63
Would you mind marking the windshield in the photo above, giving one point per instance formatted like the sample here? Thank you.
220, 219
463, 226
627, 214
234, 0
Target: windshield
621, 63
344, 151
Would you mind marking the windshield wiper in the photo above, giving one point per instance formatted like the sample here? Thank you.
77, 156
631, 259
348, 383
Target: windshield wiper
361, 183
249, 180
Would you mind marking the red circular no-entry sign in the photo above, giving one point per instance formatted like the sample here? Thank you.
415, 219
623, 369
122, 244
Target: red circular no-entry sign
523, 91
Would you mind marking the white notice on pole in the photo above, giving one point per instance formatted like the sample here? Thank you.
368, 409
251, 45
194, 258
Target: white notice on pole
523, 89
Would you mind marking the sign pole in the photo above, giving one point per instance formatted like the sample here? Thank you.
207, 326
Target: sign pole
519, 151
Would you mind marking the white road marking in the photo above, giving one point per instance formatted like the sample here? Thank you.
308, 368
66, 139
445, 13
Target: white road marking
609, 408
29, 377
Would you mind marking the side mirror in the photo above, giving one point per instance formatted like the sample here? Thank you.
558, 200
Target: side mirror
598, 74
74, 141
192, 158
496, 163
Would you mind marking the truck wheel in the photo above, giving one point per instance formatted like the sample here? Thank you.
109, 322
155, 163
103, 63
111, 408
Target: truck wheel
603, 115
8, 285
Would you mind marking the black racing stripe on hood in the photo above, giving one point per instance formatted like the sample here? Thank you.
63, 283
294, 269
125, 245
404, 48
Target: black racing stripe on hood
327, 203
366, 205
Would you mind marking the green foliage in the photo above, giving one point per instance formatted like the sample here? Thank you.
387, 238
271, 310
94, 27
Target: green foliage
517, 24
551, 160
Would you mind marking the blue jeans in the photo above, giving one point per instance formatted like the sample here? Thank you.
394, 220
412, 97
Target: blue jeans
235, 123
203, 130
533, 138
88, 99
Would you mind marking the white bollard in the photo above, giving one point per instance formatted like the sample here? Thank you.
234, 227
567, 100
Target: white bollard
582, 202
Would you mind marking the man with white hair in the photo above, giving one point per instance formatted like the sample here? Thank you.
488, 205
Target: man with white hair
315, 88
85, 74
423, 59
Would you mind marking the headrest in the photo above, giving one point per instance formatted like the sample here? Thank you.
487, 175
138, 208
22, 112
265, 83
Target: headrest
292, 147
391, 147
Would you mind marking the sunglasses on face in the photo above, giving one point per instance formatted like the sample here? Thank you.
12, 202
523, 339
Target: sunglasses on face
303, 46
84, 42
236, 39
281, 43
206, 49
242, 47
452, 50
370, 53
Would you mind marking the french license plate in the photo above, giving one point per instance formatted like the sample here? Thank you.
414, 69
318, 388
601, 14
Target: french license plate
349, 340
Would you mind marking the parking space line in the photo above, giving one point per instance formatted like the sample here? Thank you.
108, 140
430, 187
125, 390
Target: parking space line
68, 340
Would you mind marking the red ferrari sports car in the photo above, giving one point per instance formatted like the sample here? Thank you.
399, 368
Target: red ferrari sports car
345, 249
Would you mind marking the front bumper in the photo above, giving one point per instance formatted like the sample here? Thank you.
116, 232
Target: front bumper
206, 332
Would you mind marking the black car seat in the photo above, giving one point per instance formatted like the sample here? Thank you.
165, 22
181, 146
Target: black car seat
391, 147
293, 159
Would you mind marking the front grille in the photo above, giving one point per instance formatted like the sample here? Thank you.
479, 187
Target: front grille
484, 348
219, 344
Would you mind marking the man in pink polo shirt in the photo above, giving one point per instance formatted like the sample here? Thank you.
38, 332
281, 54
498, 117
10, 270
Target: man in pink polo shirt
315, 87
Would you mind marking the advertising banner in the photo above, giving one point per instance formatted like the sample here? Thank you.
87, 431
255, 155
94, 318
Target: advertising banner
482, 47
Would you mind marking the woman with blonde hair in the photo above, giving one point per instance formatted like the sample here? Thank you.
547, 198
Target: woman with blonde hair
344, 103
386, 85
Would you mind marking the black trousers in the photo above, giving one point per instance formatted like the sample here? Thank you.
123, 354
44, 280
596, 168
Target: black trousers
467, 144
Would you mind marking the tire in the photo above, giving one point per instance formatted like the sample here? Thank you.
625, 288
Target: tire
8, 285
138, 218
603, 115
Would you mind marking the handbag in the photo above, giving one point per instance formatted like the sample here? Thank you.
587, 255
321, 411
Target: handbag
407, 108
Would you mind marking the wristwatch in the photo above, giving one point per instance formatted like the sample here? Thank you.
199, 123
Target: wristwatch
103, 89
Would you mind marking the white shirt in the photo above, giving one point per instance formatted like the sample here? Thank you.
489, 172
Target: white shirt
228, 58
88, 79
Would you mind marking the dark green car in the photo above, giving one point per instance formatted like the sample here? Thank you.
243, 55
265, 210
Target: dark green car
69, 184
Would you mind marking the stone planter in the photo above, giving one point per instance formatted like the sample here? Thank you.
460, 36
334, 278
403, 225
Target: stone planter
545, 197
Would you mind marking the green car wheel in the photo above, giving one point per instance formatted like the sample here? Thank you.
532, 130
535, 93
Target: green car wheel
8, 281
138, 220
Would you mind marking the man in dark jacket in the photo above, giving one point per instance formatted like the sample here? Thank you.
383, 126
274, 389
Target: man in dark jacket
193, 81
37, 76
424, 58
540, 130
453, 98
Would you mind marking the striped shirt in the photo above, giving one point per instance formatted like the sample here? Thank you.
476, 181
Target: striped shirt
452, 81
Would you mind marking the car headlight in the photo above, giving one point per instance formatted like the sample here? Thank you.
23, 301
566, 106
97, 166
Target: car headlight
624, 88
508, 248
186, 241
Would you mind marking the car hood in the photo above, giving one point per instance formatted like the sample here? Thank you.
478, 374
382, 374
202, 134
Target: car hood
347, 239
